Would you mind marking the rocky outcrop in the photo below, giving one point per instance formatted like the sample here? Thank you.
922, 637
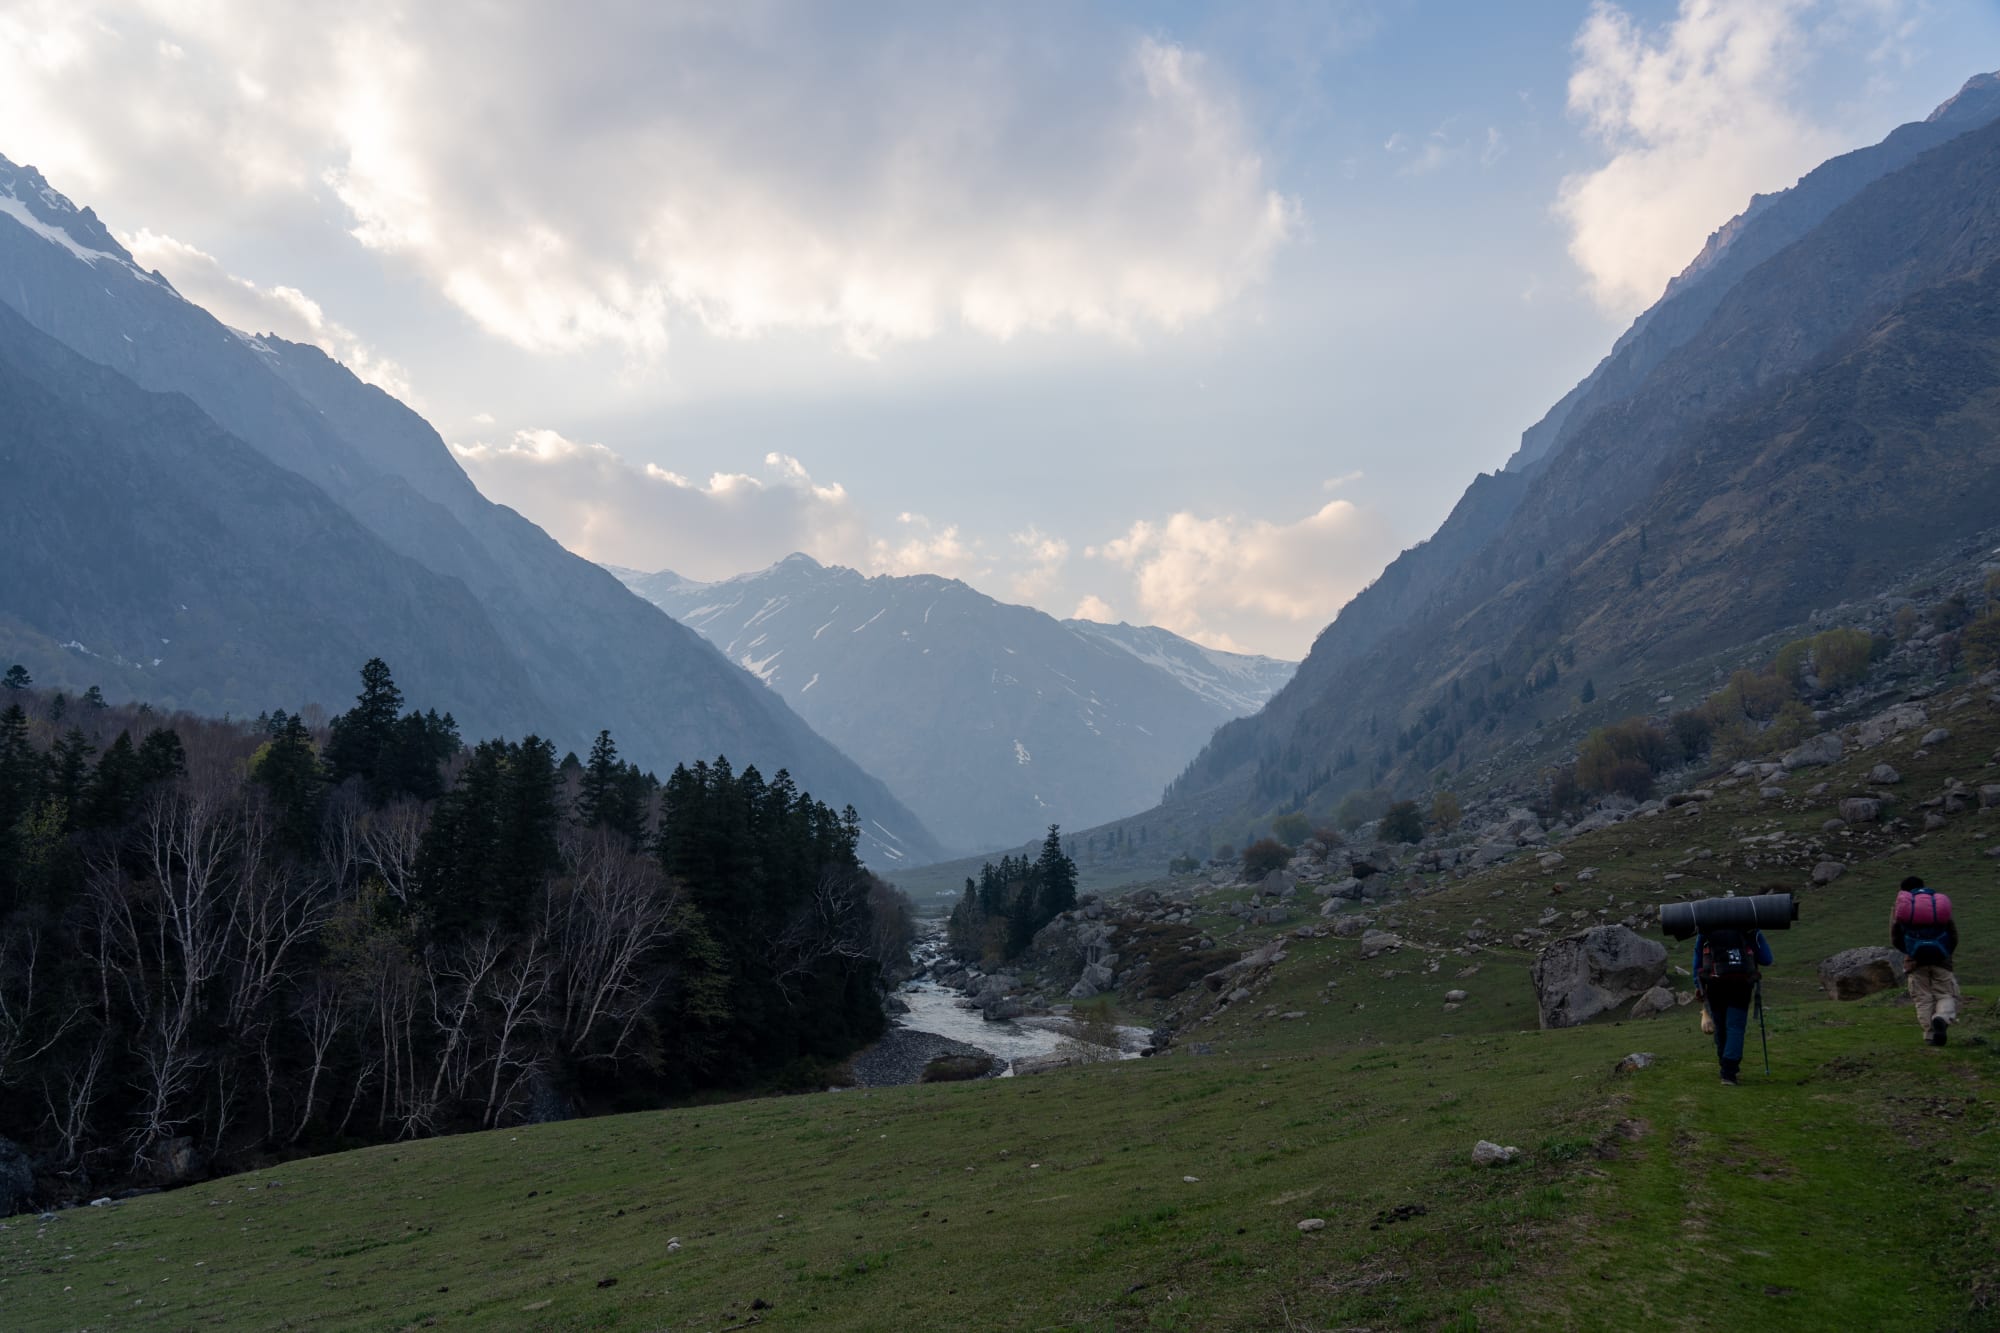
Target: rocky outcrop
1819, 751
1853, 974
1581, 976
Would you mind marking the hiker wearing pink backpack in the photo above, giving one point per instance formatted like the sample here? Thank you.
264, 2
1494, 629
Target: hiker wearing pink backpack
1922, 928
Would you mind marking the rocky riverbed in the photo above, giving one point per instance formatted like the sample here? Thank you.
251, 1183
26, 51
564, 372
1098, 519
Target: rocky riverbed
901, 1055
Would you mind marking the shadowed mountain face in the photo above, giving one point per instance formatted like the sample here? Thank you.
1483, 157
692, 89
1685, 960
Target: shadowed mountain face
560, 647
1827, 424
990, 721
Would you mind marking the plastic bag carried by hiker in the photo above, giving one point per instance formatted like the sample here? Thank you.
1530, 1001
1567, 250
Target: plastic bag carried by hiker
1922, 929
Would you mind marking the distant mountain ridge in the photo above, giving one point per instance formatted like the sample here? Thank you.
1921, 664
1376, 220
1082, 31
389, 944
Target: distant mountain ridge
562, 648
991, 721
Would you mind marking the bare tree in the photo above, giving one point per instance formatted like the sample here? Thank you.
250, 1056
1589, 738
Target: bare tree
390, 839
604, 922
321, 1016
31, 1020
517, 993
830, 923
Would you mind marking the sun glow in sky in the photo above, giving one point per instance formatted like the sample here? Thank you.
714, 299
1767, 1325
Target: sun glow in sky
1189, 314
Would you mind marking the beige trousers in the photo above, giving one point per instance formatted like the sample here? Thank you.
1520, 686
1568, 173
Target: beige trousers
1935, 990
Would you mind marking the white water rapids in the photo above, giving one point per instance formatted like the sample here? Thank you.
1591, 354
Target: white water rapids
936, 1008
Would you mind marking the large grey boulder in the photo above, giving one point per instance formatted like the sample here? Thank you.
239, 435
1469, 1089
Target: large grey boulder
1375, 942
1853, 974
1826, 872
1860, 809
1659, 1000
1581, 976
1821, 750
1894, 722
17, 1179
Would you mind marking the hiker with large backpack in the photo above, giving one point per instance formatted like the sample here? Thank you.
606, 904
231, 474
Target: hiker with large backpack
1922, 928
1727, 968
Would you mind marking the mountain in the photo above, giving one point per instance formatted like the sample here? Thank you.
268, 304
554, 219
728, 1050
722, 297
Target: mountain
990, 721
1831, 422
561, 647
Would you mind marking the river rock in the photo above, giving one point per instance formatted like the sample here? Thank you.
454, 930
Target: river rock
1581, 976
1853, 974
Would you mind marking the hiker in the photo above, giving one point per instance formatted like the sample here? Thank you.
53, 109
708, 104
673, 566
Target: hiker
1922, 929
1726, 971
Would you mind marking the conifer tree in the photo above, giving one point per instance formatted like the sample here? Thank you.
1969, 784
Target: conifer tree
17, 678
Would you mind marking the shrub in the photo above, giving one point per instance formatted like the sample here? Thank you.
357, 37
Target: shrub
1628, 777
1328, 836
1445, 811
1182, 865
1980, 642
1609, 749
1291, 829
1793, 724
1403, 822
1263, 856
1691, 731
1563, 793
1841, 657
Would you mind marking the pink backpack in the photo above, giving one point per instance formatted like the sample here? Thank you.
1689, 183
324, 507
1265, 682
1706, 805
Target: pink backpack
1922, 907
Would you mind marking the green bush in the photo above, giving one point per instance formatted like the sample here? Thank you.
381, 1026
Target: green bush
1263, 856
1605, 761
1403, 822
1981, 642
1291, 829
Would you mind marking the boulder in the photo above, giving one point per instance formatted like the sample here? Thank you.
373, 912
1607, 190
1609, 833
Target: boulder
1376, 942
1989, 796
1485, 1153
1854, 973
1592, 972
1633, 1063
1894, 722
1936, 736
1821, 750
1281, 883
17, 1179
1653, 1003
1455, 997
1549, 860
1826, 872
1882, 775
174, 1161
1313, 1224
1860, 809
1490, 852
1350, 924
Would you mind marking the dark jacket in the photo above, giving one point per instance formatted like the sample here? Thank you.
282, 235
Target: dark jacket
1763, 947
1896, 938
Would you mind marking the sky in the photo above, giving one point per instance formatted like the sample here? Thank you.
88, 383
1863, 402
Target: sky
1183, 314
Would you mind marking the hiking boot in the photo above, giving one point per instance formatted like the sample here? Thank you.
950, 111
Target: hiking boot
1938, 1028
1729, 1076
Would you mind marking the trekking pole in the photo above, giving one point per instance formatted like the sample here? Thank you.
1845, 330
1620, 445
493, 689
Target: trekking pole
1762, 1035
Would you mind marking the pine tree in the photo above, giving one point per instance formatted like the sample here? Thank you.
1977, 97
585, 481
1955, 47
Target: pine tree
17, 678
93, 699
1056, 874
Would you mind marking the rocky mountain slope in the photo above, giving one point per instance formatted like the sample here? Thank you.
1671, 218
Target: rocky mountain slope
564, 649
1831, 425
990, 721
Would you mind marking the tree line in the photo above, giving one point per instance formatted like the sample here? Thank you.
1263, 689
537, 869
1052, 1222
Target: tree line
1000, 911
222, 942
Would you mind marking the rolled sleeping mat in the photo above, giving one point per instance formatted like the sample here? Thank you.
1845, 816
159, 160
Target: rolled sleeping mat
1763, 911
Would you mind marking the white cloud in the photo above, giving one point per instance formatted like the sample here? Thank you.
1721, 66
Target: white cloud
1046, 557
1230, 581
1696, 116
926, 548
285, 311
744, 168
1093, 607
608, 509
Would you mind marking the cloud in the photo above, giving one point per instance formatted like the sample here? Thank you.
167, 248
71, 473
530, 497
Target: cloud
608, 509
742, 168
1093, 607
1695, 116
926, 549
1230, 580
1046, 556
242, 304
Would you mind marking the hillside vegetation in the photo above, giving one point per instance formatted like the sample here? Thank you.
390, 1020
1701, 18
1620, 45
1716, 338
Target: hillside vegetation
1851, 1187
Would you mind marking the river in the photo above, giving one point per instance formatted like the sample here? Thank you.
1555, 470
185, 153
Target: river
935, 1008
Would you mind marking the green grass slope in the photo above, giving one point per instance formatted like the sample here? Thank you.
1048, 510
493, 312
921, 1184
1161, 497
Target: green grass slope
1851, 1187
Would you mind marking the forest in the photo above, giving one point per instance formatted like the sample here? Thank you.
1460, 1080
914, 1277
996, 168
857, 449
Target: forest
225, 942
998, 914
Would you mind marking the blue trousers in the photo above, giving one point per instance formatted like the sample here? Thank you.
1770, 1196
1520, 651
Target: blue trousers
1729, 1011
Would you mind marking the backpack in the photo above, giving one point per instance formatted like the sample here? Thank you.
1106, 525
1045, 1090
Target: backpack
1728, 955
1924, 915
